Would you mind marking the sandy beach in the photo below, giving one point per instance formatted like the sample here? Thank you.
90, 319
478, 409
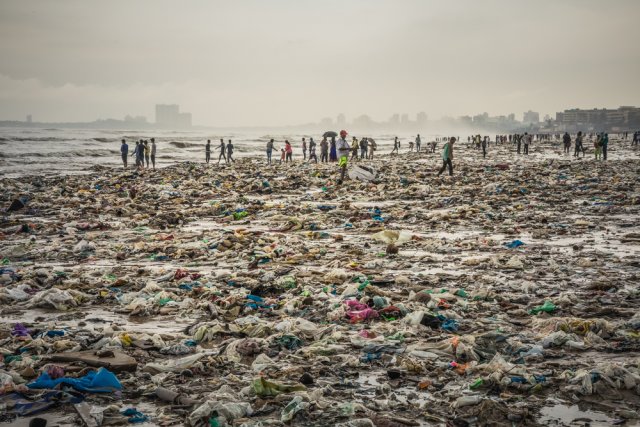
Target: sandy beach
504, 295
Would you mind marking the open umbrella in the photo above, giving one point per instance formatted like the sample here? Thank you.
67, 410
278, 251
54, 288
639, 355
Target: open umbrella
329, 134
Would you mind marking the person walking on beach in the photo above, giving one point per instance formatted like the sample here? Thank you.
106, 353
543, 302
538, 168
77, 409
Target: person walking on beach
484, 148
147, 152
269, 150
288, 152
518, 140
354, 148
230, 152
124, 152
333, 153
343, 149
304, 149
364, 148
312, 150
153, 153
282, 155
605, 146
597, 147
418, 143
447, 157
207, 151
566, 140
396, 146
324, 150
223, 151
579, 146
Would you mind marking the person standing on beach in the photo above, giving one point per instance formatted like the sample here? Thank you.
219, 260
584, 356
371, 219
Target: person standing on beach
124, 152
288, 152
372, 147
527, 140
354, 148
139, 153
598, 147
447, 157
342, 147
312, 150
230, 152
324, 150
147, 152
418, 143
364, 148
566, 140
333, 154
153, 153
396, 146
207, 151
223, 149
605, 145
518, 140
304, 149
135, 154
579, 147
269, 150
484, 148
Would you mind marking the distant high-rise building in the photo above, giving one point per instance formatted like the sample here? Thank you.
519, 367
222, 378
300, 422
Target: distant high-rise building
511, 117
404, 119
169, 115
395, 119
421, 118
29, 118
341, 120
531, 117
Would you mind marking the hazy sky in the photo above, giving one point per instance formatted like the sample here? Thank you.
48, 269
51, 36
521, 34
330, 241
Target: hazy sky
279, 62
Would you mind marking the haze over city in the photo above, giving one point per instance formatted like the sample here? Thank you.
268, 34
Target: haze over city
277, 63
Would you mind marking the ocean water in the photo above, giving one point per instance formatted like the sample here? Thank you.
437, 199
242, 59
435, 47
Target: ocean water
29, 151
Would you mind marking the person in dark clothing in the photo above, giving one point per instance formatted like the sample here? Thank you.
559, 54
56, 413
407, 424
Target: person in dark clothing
230, 152
566, 140
207, 151
124, 151
605, 145
324, 150
223, 149
579, 147
484, 148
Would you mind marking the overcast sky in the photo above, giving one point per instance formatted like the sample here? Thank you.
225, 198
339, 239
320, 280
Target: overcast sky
279, 62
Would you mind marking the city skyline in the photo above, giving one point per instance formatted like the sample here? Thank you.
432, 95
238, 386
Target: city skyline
282, 62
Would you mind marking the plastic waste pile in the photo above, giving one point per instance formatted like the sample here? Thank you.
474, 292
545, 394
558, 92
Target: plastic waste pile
251, 295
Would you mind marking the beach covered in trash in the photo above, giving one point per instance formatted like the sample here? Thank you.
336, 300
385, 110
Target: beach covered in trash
248, 295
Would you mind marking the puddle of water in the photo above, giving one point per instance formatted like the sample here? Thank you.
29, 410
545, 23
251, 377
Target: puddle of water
561, 414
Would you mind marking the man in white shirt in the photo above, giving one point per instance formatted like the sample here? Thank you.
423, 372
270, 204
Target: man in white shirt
343, 148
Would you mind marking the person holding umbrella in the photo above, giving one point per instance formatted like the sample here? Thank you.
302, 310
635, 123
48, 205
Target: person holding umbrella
343, 149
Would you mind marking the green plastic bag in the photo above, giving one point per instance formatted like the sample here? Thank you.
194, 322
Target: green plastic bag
547, 307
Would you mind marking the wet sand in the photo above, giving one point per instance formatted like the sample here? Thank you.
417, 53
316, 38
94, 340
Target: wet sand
292, 237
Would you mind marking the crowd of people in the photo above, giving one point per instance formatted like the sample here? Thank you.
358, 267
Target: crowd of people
336, 148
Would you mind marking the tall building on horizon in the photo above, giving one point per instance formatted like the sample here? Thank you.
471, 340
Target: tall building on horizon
530, 117
169, 115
